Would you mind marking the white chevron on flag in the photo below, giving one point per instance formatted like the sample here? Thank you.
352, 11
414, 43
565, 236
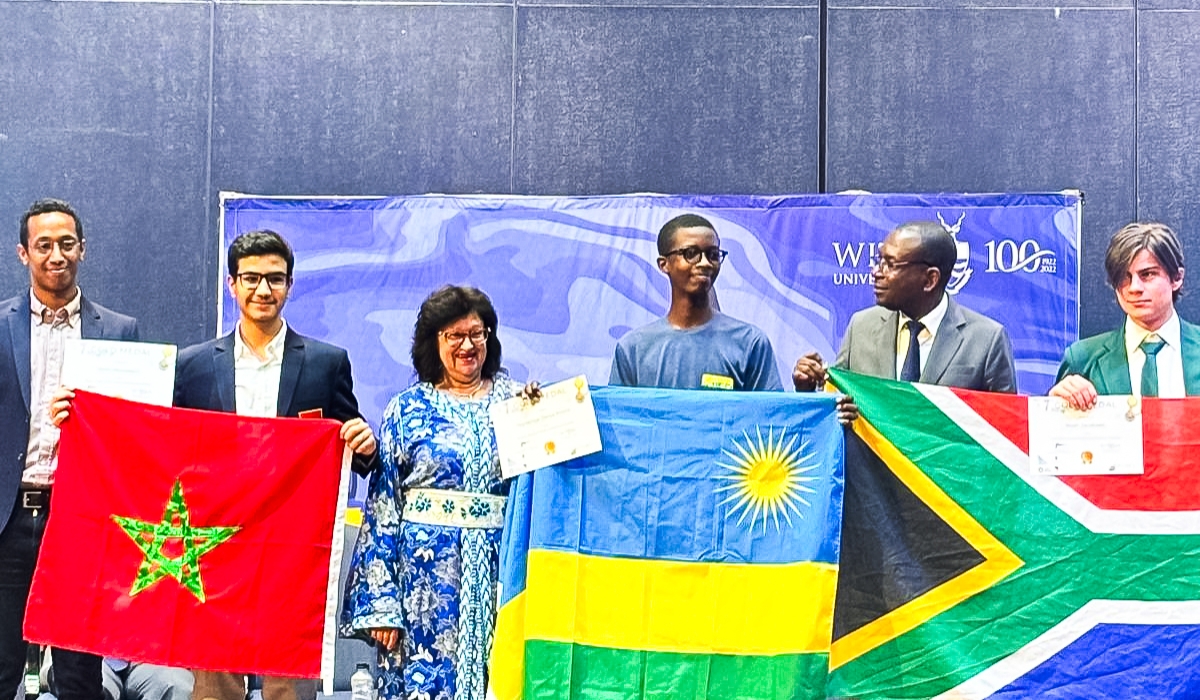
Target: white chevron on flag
1088, 514
1059, 637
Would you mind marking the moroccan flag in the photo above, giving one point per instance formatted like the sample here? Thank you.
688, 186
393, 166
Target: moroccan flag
694, 557
965, 575
192, 538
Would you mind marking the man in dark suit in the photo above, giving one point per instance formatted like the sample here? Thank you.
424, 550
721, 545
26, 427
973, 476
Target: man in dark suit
36, 326
916, 331
1155, 352
264, 368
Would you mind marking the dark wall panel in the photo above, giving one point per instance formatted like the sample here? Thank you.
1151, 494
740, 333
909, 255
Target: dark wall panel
627, 99
109, 104
106, 105
361, 100
990, 100
1169, 134
367, 99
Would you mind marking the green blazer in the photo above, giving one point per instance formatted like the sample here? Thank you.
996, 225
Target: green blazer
1101, 360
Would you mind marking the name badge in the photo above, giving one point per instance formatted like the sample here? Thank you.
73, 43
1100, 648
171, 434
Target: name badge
716, 381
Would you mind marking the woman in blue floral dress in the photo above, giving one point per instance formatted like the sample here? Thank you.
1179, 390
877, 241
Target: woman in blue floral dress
422, 580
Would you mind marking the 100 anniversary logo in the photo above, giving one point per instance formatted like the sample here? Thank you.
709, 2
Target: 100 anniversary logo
1005, 255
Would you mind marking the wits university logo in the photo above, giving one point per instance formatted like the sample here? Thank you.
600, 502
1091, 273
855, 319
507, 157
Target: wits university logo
1003, 255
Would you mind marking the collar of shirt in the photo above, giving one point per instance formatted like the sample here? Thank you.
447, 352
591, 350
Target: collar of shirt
47, 345
1169, 332
930, 323
1169, 362
932, 320
74, 308
274, 350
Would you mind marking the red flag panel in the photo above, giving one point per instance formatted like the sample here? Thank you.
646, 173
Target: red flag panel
157, 586
1168, 443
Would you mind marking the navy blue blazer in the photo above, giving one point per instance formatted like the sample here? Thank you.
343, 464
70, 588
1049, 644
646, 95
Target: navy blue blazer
315, 375
15, 321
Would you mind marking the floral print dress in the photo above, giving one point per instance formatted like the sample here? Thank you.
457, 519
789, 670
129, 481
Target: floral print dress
434, 582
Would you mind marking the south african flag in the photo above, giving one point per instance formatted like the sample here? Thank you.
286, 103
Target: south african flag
964, 575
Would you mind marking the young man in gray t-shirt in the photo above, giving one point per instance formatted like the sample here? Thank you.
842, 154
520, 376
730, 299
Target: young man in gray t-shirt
694, 346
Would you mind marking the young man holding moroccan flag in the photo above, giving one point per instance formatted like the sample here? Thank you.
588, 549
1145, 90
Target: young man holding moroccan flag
262, 369
265, 368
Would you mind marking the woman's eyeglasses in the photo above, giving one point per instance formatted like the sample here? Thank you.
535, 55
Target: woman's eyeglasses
455, 339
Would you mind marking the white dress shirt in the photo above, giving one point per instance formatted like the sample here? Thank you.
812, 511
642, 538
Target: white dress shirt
47, 345
1169, 360
256, 381
932, 321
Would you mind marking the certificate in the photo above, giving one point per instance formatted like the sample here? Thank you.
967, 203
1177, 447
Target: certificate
142, 372
559, 427
1104, 440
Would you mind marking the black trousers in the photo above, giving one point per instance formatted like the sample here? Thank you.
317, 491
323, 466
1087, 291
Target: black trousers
77, 675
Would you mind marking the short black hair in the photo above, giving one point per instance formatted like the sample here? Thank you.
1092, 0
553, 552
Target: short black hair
261, 242
936, 247
440, 309
47, 206
1158, 238
666, 235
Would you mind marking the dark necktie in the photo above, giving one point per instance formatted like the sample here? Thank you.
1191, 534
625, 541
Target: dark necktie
911, 371
1150, 369
56, 319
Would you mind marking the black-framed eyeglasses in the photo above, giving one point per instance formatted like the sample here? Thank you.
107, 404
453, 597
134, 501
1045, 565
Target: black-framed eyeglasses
275, 280
691, 254
886, 265
455, 339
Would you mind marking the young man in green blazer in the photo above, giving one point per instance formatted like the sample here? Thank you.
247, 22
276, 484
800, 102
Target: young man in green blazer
1154, 353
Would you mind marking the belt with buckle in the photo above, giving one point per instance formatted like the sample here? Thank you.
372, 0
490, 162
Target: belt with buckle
35, 499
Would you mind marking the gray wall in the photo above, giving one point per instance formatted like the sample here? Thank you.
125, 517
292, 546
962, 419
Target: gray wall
140, 112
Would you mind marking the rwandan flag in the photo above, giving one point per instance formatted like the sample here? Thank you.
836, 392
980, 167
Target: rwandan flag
964, 575
695, 557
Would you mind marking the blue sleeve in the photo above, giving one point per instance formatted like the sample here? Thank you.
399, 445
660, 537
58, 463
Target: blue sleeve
622, 373
762, 374
373, 587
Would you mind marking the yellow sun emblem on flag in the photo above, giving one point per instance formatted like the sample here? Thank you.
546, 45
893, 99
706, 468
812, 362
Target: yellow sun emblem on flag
768, 478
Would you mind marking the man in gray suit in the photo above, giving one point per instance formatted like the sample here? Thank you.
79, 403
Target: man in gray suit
917, 332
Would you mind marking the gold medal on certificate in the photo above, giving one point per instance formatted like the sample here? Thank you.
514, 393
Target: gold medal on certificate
1106, 439
560, 426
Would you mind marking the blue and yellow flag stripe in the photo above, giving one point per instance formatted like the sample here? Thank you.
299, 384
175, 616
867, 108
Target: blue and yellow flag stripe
696, 556
748, 477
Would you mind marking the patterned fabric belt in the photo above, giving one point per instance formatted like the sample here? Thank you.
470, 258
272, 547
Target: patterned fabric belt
454, 508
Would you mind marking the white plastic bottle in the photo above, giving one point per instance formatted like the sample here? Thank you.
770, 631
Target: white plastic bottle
362, 683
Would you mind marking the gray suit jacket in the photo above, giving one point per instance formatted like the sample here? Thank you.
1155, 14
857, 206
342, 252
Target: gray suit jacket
15, 316
970, 350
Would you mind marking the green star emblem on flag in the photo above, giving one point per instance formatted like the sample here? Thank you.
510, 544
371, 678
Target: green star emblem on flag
175, 530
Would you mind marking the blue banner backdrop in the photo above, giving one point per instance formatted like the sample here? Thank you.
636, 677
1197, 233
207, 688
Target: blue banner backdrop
571, 275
